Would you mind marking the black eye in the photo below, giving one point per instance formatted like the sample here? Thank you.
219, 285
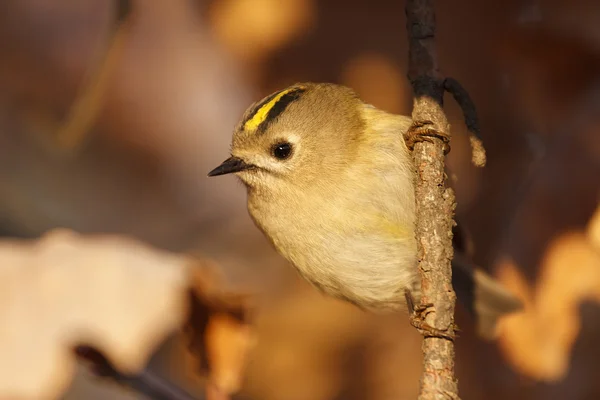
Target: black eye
281, 151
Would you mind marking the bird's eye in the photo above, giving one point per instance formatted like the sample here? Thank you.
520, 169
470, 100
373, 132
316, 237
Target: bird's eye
281, 151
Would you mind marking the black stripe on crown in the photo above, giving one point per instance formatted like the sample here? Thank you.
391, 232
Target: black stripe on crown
280, 106
276, 109
259, 105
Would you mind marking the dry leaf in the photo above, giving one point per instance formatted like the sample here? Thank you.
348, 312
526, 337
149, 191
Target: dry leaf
538, 341
109, 292
227, 340
113, 294
221, 334
593, 229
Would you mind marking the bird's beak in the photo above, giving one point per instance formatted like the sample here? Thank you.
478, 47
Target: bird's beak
229, 166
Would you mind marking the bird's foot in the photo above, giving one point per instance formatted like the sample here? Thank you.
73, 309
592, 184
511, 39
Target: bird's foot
417, 314
422, 132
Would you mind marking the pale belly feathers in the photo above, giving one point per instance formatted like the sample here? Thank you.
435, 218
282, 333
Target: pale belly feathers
351, 241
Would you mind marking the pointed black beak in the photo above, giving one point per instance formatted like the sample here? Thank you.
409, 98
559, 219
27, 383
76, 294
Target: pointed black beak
229, 166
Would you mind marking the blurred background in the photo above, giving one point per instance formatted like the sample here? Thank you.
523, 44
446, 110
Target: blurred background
122, 143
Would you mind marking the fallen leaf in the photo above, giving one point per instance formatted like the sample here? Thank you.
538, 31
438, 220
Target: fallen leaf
109, 292
221, 334
539, 340
228, 340
593, 229
114, 294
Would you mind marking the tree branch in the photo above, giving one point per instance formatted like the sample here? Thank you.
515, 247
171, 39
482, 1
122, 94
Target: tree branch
435, 203
461, 96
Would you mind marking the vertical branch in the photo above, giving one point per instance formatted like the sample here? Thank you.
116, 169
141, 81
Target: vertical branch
434, 202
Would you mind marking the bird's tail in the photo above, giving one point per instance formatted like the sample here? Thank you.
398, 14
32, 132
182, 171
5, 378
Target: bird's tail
482, 295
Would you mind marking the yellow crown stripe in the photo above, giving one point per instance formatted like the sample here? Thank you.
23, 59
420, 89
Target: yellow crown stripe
261, 115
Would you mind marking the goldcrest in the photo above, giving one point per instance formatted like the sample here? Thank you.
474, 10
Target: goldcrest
330, 182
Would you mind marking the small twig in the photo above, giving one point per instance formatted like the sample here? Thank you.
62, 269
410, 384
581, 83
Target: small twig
434, 202
146, 382
89, 100
461, 96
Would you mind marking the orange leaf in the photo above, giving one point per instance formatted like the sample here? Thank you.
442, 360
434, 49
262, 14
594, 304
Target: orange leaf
538, 341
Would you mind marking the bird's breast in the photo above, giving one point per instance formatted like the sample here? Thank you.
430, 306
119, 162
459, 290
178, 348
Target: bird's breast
347, 246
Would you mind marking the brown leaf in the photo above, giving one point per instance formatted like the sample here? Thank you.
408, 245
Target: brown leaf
220, 332
228, 340
112, 293
538, 341
593, 229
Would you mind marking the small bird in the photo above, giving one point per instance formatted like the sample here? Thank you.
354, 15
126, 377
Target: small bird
330, 182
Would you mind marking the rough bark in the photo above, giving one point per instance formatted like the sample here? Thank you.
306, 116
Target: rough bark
435, 203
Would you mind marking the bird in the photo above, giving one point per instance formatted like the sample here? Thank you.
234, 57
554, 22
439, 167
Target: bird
330, 182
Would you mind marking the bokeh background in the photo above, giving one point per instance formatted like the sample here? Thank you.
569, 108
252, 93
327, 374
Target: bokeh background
164, 105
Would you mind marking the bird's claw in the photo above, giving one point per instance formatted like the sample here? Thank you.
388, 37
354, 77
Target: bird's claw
417, 314
422, 132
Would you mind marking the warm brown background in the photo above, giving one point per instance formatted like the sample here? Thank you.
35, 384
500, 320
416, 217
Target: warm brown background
188, 70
